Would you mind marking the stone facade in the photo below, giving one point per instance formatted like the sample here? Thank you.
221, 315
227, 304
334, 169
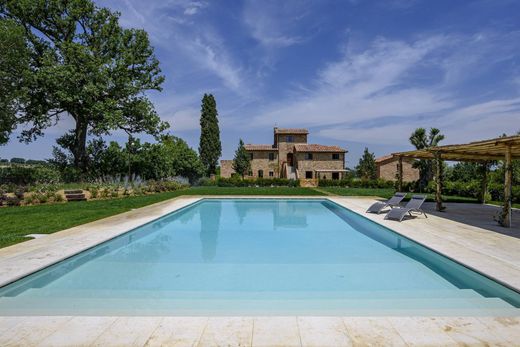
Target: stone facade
320, 161
226, 168
292, 157
387, 169
263, 166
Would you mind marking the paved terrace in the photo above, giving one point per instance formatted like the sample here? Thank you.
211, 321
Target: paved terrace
492, 253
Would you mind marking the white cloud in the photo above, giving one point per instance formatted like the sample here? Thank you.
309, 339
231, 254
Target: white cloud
194, 7
274, 23
360, 87
367, 96
196, 46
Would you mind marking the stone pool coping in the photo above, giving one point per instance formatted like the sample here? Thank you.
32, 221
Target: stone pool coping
492, 254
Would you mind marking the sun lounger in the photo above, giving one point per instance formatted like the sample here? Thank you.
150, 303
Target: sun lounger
414, 205
392, 202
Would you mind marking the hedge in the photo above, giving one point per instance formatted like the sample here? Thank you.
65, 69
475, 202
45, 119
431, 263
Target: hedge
24, 175
357, 183
249, 182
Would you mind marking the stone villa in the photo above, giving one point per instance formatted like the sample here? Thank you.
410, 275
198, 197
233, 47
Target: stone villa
386, 167
290, 156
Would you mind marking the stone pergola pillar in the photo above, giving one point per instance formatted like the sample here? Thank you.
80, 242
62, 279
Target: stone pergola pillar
506, 209
438, 180
400, 174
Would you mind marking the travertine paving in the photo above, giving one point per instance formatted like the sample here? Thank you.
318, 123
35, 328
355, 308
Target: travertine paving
494, 254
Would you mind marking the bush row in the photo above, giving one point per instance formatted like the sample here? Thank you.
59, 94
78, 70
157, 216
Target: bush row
24, 175
472, 189
248, 182
357, 183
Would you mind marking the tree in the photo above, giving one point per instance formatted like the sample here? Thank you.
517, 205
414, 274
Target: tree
17, 160
210, 147
241, 162
464, 171
82, 64
185, 162
366, 168
13, 69
171, 156
421, 140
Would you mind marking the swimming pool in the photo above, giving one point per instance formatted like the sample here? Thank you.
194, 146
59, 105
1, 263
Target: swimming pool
258, 257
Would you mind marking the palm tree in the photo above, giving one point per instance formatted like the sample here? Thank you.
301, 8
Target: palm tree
421, 140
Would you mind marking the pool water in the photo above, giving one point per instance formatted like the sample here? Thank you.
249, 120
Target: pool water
258, 257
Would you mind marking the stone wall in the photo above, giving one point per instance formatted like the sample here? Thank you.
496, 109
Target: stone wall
261, 162
320, 161
285, 147
387, 170
226, 168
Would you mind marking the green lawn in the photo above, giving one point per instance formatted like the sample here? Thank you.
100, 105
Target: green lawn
499, 203
387, 193
44, 219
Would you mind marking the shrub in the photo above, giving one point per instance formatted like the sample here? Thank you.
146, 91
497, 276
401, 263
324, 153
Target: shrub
114, 193
94, 191
206, 182
13, 201
25, 175
345, 182
104, 192
256, 182
29, 199
153, 186
58, 197
42, 198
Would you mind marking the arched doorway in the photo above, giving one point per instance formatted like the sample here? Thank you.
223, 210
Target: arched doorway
289, 159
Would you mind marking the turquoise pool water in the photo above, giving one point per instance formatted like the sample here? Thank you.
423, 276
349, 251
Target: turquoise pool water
258, 257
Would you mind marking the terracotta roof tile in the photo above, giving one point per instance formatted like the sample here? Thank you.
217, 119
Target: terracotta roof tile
383, 158
317, 148
250, 147
290, 131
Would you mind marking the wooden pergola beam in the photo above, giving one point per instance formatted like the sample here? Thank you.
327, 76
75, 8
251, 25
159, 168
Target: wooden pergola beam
400, 174
503, 148
505, 219
438, 181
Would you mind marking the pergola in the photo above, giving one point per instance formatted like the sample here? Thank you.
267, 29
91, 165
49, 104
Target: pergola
502, 148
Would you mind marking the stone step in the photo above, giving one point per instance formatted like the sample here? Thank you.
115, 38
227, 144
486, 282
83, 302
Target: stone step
410, 307
264, 295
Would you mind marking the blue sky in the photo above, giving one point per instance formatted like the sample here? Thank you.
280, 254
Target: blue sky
356, 73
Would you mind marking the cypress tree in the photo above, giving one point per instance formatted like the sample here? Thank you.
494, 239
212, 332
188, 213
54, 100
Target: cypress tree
241, 162
210, 147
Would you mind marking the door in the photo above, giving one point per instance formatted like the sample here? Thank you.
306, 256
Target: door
289, 159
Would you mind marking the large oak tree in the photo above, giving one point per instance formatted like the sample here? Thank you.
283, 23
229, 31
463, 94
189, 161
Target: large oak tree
82, 64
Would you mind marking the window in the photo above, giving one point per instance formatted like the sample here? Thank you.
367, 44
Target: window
271, 156
261, 173
308, 156
250, 173
289, 138
251, 156
335, 175
271, 174
335, 156
308, 174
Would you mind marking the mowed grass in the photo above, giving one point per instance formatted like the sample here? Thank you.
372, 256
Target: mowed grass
16, 222
387, 193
